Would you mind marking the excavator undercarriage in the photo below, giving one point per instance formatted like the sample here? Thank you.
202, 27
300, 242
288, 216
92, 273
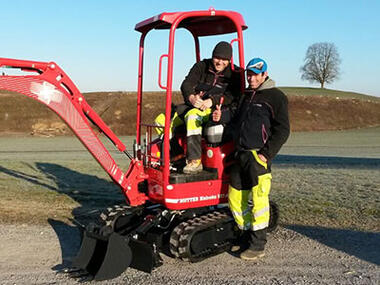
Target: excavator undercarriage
143, 233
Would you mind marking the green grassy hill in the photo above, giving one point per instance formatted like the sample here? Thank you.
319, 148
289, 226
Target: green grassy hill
306, 91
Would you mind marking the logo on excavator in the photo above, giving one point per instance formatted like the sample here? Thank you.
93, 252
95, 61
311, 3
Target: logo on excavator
46, 92
196, 199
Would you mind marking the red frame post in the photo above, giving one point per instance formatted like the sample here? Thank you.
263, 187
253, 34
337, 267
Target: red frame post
140, 90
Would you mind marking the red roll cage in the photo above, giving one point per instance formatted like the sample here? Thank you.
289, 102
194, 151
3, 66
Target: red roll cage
199, 24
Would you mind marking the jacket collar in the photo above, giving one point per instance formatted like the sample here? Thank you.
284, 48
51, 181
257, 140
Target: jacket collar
267, 84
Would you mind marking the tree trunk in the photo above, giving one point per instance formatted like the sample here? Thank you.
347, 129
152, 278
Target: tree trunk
322, 85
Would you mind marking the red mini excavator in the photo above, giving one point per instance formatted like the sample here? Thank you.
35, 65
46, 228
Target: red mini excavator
166, 211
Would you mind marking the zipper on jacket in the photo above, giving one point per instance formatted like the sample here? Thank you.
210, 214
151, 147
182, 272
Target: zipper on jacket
264, 134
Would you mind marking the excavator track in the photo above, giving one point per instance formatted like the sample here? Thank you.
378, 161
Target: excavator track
110, 216
202, 237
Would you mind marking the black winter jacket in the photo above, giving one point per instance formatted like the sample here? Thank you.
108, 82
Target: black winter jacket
203, 77
261, 120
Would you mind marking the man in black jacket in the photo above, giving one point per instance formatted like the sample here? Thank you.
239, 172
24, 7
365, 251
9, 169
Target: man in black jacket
260, 127
202, 89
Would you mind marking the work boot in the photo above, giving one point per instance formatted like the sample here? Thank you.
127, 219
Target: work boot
193, 166
235, 248
241, 243
251, 254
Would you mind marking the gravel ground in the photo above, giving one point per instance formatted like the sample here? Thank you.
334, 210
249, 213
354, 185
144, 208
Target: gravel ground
32, 254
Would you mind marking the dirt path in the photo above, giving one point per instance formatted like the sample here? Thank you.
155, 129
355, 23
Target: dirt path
30, 254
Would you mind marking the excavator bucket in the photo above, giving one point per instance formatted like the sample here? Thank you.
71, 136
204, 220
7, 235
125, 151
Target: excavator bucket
103, 258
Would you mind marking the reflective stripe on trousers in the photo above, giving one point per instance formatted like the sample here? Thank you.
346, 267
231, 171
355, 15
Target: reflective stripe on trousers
160, 121
255, 215
194, 120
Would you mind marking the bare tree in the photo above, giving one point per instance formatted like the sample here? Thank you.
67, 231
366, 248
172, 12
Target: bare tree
321, 63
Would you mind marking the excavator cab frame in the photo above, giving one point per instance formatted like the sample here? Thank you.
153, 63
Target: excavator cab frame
166, 189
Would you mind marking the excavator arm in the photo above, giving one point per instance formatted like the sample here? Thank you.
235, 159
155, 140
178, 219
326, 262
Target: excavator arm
50, 85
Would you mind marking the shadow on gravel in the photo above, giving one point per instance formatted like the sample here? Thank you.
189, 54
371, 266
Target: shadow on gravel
363, 245
69, 240
347, 162
93, 194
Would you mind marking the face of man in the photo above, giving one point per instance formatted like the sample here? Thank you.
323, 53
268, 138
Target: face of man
255, 80
220, 63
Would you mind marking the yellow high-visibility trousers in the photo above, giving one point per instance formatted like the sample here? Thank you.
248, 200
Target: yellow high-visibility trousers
160, 122
250, 207
194, 120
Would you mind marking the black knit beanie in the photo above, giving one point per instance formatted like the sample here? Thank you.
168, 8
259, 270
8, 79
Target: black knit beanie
222, 50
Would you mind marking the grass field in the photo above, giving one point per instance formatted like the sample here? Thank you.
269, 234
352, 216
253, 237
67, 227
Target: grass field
307, 91
329, 179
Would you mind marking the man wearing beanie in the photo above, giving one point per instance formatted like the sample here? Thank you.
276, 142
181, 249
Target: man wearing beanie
207, 82
261, 127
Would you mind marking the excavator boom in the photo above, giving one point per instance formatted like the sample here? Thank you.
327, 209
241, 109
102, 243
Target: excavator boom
50, 85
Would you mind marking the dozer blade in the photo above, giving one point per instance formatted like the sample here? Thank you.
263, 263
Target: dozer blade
104, 258
85, 254
144, 257
118, 258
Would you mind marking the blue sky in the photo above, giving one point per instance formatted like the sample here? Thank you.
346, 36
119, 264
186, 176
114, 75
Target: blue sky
96, 44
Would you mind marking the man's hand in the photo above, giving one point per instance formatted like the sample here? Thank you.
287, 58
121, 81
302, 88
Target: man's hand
198, 103
217, 114
193, 98
206, 104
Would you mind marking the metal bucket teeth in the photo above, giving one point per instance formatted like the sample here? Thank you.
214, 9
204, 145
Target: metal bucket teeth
104, 258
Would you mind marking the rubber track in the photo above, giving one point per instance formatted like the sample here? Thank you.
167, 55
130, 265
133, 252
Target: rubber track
181, 236
110, 215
